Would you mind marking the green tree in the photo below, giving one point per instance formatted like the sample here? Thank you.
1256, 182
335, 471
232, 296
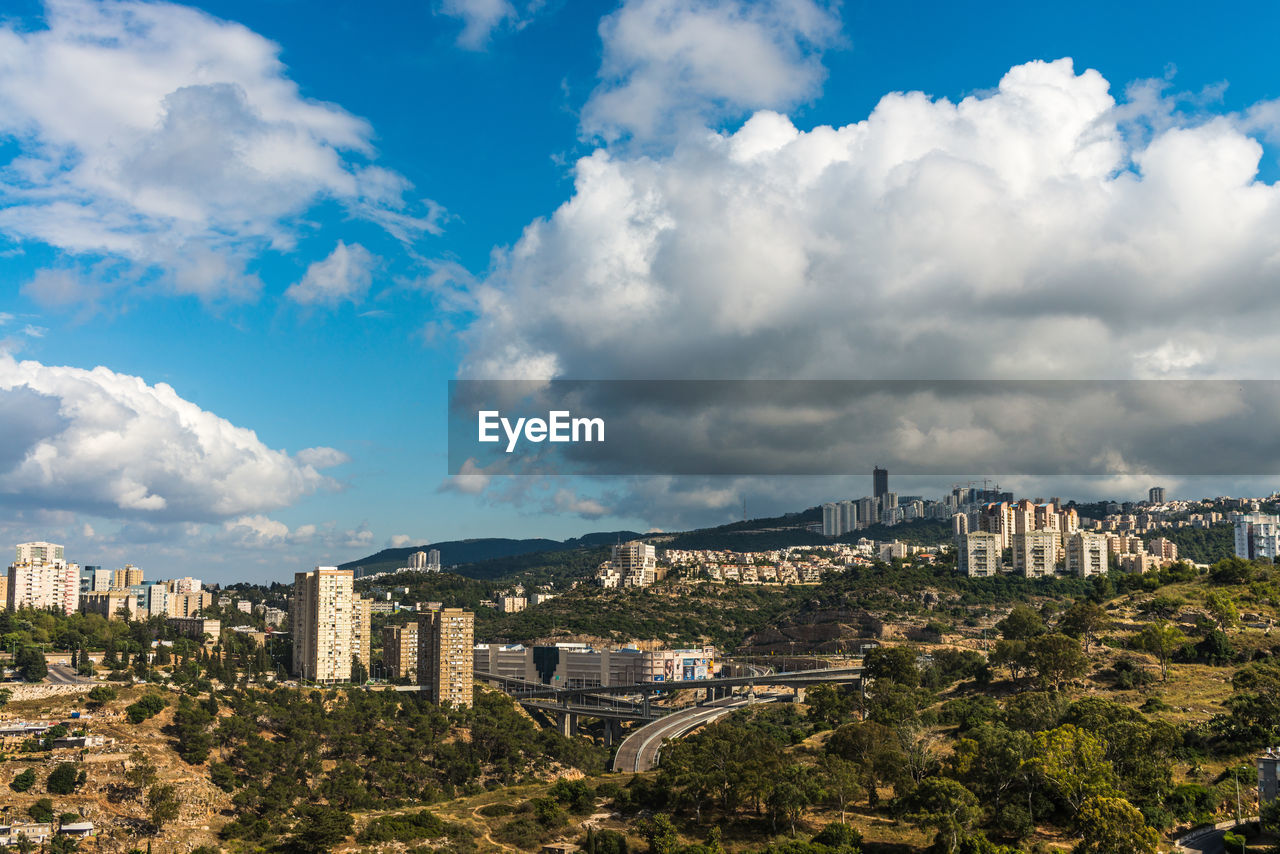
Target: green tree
30, 663
1022, 623
660, 833
100, 695
1011, 654
41, 810
1057, 659
842, 782
1111, 825
795, 789
874, 750
1073, 763
944, 805
62, 780
63, 844
319, 828
1084, 620
1162, 639
140, 773
1255, 702
1222, 608
162, 805
24, 781
894, 663
827, 705
1270, 814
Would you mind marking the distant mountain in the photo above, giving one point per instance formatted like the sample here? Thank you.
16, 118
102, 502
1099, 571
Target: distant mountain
458, 552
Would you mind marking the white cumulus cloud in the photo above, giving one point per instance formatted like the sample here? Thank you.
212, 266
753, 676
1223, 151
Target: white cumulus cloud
1020, 232
101, 442
159, 134
671, 62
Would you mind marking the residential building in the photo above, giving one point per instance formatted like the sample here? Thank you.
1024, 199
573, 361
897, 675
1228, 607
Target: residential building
636, 562
186, 584
1086, 553
1137, 562
112, 604
362, 630
197, 628
1257, 535
1035, 553
433, 560
126, 577
400, 651
39, 553
44, 585
418, 561
330, 624
980, 554
94, 578
1155, 495
445, 656
1268, 767
1163, 548
274, 617
510, 604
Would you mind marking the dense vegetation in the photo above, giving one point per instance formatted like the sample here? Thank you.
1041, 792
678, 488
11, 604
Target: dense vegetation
385, 750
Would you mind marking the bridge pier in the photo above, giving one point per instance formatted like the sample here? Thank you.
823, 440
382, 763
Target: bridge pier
645, 706
567, 723
799, 694
612, 732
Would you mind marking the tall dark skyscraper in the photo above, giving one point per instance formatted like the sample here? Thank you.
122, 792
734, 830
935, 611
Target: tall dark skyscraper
879, 482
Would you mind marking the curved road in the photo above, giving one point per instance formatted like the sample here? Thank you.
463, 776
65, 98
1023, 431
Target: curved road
1207, 840
639, 751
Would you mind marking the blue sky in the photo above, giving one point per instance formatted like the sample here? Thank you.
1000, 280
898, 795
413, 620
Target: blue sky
306, 219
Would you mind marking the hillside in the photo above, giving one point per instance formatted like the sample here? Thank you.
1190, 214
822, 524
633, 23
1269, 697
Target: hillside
461, 554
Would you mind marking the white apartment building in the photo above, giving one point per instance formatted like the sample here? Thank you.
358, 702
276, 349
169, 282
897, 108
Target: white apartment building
41, 585
39, 553
1035, 554
1086, 553
636, 562
839, 517
1257, 535
980, 554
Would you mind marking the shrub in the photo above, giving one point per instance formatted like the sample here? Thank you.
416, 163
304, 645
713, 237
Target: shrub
403, 828
62, 780
41, 810
147, 706
24, 781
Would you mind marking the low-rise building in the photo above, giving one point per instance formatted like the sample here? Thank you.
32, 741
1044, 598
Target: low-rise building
197, 628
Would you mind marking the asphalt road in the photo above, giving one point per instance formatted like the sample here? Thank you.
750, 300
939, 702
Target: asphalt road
61, 674
639, 752
1206, 840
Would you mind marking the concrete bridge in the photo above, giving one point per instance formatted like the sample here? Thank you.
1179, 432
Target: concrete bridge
608, 703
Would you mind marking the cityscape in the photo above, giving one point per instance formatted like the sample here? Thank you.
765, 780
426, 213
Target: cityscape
640, 427
360, 630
